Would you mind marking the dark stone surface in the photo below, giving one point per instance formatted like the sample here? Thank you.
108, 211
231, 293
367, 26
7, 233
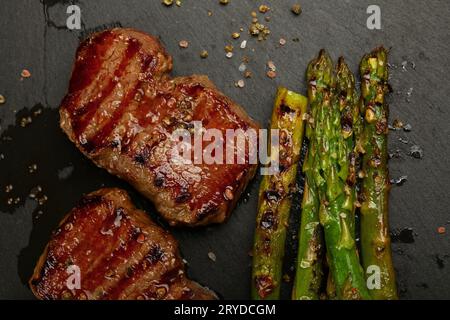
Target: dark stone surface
33, 36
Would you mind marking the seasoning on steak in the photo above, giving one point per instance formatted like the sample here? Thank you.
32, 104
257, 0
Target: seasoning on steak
120, 253
121, 110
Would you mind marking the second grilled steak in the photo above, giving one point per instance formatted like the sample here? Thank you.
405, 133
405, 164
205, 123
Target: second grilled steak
121, 110
119, 252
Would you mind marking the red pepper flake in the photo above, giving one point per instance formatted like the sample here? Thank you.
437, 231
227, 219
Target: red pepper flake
25, 73
271, 74
264, 285
141, 238
441, 230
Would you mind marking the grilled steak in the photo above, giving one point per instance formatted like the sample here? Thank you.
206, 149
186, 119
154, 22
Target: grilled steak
121, 110
120, 253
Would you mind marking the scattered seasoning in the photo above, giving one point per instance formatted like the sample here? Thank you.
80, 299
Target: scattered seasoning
247, 74
282, 41
397, 124
242, 67
32, 168
243, 44
416, 152
178, 3
229, 48
210, 13
267, 18
263, 8
441, 230
37, 112
271, 74
68, 226
161, 293
42, 200
168, 3
296, 9
259, 30
183, 44
141, 238
25, 73
229, 55
235, 35
224, 2
254, 14
25, 121
399, 181
240, 84
9, 188
2, 99
296, 39
396, 154
228, 194
407, 127
271, 66
204, 54
212, 256
34, 193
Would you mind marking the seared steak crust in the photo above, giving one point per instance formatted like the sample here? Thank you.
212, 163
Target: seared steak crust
120, 253
121, 110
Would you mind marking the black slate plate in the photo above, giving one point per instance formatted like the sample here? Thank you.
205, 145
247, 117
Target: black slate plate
33, 36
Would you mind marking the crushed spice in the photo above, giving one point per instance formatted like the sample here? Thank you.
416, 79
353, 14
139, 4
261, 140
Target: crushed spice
183, 44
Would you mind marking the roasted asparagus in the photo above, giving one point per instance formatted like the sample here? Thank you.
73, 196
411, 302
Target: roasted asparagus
275, 196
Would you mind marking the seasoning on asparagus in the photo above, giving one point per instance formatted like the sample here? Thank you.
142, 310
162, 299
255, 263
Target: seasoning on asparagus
375, 238
308, 276
275, 196
347, 98
350, 124
330, 170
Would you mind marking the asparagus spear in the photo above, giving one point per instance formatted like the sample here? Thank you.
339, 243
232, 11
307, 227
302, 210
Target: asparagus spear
375, 238
331, 170
274, 196
347, 99
308, 276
